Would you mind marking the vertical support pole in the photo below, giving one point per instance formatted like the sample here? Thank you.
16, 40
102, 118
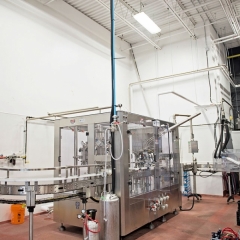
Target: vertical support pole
194, 162
75, 149
156, 155
30, 225
229, 184
84, 211
30, 202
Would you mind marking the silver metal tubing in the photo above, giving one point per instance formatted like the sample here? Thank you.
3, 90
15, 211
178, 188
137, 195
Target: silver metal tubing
176, 75
60, 114
74, 111
194, 184
221, 67
191, 131
75, 149
186, 120
187, 99
228, 39
222, 38
30, 225
229, 185
179, 115
47, 169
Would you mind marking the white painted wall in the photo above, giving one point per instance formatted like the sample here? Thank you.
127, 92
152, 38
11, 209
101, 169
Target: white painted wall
50, 62
48, 65
177, 56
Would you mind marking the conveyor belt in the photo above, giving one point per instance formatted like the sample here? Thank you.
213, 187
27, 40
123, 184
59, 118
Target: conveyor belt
40, 201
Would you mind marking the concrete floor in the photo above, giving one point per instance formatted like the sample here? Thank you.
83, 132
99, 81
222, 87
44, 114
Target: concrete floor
207, 216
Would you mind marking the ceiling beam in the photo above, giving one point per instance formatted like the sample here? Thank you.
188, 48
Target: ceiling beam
186, 13
129, 25
178, 18
128, 6
229, 12
198, 6
228, 39
178, 33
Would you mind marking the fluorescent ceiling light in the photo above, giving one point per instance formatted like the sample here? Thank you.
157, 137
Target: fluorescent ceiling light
147, 22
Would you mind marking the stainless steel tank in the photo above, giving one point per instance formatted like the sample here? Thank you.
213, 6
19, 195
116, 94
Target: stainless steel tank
109, 217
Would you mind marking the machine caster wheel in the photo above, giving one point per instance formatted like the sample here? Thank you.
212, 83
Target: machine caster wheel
175, 212
62, 228
151, 226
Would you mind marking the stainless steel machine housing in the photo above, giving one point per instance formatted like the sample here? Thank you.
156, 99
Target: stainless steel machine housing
147, 174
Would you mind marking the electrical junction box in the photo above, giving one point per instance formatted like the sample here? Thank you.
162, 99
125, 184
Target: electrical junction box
156, 123
193, 147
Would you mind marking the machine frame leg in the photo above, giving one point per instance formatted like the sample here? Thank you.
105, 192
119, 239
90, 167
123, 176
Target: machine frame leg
30, 202
231, 196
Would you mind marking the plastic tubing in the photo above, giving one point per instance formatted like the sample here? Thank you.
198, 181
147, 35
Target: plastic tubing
86, 224
116, 159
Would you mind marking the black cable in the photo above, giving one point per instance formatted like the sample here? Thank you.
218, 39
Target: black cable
188, 209
227, 138
94, 199
219, 141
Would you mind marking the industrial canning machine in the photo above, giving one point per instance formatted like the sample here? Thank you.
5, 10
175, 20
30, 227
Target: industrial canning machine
127, 170
145, 176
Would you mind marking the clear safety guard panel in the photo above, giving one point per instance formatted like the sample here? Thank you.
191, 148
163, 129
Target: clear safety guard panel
230, 161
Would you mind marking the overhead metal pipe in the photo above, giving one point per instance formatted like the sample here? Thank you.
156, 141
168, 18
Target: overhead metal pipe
229, 39
60, 114
74, 111
184, 121
226, 37
176, 75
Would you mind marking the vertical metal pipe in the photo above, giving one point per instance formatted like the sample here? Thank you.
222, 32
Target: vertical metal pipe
194, 183
191, 130
30, 225
85, 237
229, 185
75, 149
25, 145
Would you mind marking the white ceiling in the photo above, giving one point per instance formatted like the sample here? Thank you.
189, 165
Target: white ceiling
174, 17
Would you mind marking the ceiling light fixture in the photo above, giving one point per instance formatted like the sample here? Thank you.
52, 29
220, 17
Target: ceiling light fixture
147, 22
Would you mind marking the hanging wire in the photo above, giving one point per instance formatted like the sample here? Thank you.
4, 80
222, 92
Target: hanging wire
234, 80
195, 88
